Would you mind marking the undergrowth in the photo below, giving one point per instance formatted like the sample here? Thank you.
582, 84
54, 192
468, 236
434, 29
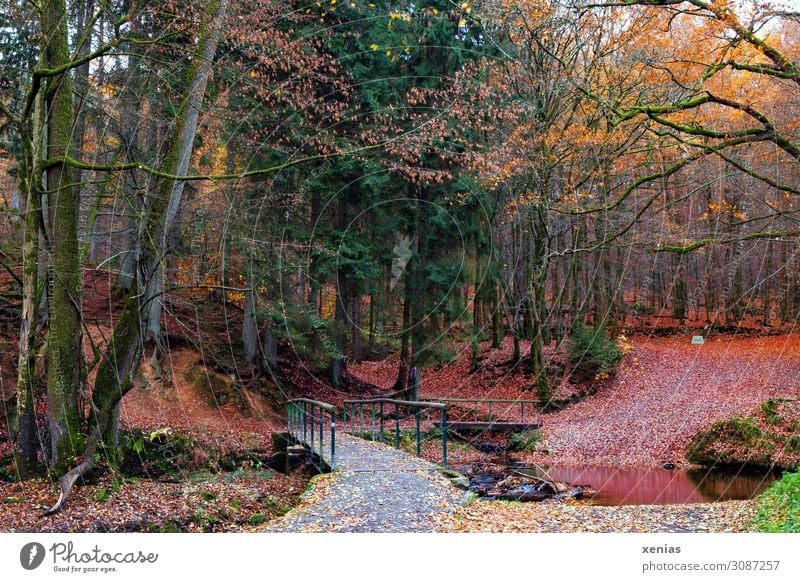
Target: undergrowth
779, 506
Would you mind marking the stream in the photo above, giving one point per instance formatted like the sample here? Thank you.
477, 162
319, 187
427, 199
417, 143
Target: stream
605, 485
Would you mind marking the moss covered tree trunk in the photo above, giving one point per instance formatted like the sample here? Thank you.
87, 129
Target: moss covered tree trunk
24, 425
118, 367
64, 357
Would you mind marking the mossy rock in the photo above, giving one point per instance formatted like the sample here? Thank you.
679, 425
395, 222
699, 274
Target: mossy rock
216, 390
161, 452
766, 440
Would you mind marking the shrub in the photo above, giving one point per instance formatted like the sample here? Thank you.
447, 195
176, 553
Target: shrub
524, 442
161, 452
779, 506
641, 308
590, 353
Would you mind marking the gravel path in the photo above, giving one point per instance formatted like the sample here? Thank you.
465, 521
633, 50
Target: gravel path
375, 489
558, 517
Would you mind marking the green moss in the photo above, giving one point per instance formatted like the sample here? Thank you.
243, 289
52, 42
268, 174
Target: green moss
257, 519
274, 506
761, 441
770, 410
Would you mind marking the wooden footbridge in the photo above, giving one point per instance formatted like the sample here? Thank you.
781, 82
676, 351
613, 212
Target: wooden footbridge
313, 424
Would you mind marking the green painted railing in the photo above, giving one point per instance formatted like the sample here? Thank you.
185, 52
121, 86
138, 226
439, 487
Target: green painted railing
308, 420
353, 411
533, 406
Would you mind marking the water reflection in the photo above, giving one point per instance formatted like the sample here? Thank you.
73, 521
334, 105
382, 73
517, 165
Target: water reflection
655, 486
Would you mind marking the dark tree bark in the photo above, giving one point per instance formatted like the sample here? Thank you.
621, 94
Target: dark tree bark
64, 373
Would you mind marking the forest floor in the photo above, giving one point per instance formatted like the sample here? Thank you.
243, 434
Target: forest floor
198, 495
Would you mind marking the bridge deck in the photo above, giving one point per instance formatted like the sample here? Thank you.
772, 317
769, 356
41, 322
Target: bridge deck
375, 488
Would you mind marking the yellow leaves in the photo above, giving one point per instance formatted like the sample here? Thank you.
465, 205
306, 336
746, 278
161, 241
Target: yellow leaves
462, 23
252, 74
107, 90
374, 46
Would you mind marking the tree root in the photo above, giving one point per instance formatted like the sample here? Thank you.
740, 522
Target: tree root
71, 477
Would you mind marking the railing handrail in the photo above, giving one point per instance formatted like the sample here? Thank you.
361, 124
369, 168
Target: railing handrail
479, 400
380, 402
414, 403
302, 424
317, 403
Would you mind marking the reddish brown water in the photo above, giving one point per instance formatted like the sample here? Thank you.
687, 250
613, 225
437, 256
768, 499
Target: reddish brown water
643, 486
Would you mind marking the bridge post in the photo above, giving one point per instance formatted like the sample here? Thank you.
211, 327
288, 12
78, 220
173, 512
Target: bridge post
372, 416
321, 428
382, 439
444, 437
416, 414
333, 440
312, 429
396, 425
305, 414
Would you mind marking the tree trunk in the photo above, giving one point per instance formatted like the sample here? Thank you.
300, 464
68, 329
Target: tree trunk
679, 289
419, 336
23, 426
402, 372
538, 278
497, 317
168, 203
121, 360
250, 326
576, 269
64, 374
767, 284
343, 298
85, 10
